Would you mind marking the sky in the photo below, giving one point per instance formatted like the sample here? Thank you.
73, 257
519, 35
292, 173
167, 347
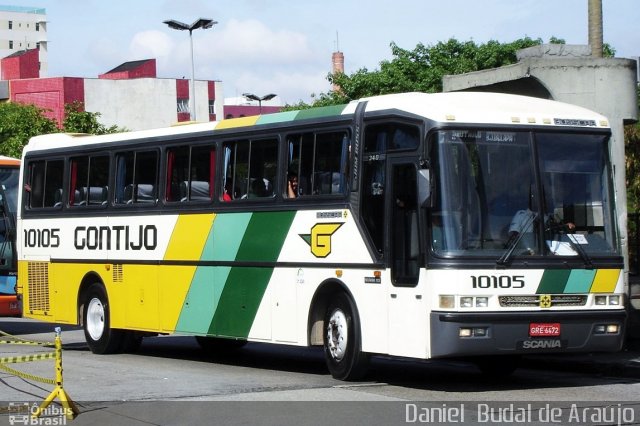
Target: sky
285, 46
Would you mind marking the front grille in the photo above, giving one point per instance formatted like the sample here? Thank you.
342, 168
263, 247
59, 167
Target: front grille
38, 281
529, 301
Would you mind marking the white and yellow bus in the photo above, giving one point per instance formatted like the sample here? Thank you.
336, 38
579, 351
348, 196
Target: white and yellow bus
469, 225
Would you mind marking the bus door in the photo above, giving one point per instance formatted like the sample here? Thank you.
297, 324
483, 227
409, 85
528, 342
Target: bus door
407, 309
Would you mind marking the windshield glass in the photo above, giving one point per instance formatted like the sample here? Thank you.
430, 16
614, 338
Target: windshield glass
9, 178
495, 198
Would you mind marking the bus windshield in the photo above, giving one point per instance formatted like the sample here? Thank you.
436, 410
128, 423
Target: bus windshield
9, 179
505, 194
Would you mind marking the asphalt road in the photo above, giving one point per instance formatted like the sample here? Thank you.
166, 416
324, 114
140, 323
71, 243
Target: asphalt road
171, 380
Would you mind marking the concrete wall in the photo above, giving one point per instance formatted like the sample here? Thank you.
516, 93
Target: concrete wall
143, 103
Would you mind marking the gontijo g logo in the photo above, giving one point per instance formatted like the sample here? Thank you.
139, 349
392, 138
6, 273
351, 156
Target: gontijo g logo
320, 238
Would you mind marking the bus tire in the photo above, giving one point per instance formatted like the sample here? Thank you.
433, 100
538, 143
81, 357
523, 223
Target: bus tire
101, 338
342, 341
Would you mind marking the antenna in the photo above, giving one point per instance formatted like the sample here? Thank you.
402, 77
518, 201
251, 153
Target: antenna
337, 42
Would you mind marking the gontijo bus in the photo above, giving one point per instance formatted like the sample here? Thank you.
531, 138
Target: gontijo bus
422, 225
9, 175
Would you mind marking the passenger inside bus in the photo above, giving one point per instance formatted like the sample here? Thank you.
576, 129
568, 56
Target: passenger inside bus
292, 185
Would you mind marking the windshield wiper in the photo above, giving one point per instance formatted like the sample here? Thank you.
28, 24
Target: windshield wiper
513, 242
561, 229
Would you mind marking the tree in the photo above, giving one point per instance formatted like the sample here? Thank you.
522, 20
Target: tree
77, 120
422, 68
632, 158
20, 122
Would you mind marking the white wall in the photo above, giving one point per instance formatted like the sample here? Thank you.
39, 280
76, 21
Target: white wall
143, 103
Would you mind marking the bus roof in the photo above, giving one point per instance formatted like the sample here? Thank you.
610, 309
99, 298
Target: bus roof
451, 107
8, 161
485, 107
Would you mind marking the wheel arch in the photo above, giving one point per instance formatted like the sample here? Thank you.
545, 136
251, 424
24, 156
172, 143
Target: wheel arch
319, 304
87, 281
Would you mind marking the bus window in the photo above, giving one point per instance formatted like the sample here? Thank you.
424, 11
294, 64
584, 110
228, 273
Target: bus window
45, 183
89, 180
203, 171
177, 173
136, 177
300, 161
190, 173
319, 161
250, 169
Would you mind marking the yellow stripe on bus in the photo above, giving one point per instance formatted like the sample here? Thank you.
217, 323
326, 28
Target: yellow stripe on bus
188, 237
187, 242
605, 281
237, 122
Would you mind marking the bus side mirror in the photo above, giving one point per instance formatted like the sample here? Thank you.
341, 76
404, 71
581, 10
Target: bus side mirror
424, 187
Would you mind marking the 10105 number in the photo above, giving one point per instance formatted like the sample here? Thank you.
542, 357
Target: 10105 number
497, 281
42, 237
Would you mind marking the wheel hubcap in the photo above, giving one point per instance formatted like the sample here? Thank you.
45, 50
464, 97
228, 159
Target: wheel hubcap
337, 334
95, 319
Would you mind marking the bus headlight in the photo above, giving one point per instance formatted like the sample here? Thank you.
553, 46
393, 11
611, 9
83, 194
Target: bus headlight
607, 300
606, 329
482, 302
466, 302
447, 302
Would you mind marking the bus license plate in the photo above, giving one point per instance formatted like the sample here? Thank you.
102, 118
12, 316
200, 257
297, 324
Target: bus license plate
544, 329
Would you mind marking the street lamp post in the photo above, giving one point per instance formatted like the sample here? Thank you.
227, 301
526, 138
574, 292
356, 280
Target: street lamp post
200, 23
259, 99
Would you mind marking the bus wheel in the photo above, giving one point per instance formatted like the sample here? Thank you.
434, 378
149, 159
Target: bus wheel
101, 338
342, 344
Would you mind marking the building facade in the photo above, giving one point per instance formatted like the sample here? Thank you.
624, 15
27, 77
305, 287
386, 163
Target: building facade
129, 96
22, 29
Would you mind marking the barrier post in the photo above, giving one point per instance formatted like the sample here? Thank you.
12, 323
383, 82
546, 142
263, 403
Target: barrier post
70, 409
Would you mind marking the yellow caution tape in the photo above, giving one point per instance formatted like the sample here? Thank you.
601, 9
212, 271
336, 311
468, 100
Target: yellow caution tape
27, 358
23, 342
19, 341
27, 376
70, 408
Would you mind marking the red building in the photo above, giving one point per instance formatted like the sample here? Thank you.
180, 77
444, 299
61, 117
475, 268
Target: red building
129, 96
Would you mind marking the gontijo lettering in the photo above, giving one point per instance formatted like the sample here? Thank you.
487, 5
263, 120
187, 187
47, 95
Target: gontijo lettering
119, 237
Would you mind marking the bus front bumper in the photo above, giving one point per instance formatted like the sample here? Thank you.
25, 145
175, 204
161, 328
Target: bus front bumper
515, 333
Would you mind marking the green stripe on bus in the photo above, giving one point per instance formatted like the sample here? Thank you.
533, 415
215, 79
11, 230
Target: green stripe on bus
239, 301
208, 282
245, 286
580, 281
553, 281
278, 117
320, 112
265, 236
202, 299
226, 236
